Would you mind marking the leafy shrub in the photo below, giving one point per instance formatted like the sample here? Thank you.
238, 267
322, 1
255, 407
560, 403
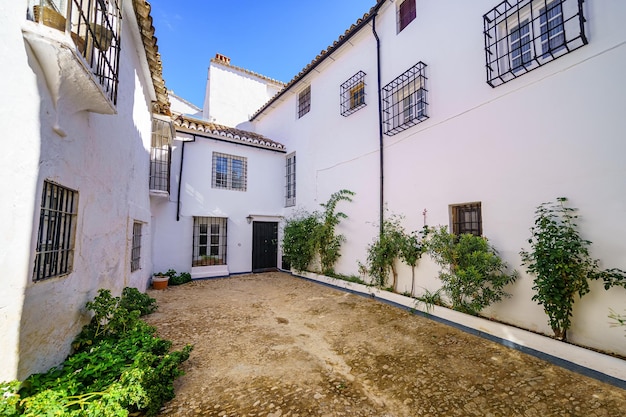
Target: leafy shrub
559, 258
473, 275
383, 252
298, 242
118, 366
309, 234
177, 279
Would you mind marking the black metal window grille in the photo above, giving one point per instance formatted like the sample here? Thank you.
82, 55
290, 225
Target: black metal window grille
521, 36
135, 255
160, 153
304, 101
209, 241
94, 25
404, 100
406, 13
57, 226
229, 172
353, 94
290, 180
467, 218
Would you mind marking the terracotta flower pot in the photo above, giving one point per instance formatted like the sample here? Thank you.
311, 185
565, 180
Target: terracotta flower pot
159, 282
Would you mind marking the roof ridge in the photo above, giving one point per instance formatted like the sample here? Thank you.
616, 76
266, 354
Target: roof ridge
256, 74
172, 93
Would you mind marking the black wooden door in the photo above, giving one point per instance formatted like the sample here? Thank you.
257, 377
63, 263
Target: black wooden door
264, 246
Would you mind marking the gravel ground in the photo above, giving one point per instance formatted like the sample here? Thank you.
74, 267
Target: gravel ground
274, 345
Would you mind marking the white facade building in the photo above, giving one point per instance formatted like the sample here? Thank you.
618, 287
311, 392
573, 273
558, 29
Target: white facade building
487, 109
233, 94
75, 169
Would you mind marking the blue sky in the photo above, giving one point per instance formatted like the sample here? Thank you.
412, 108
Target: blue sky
275, 38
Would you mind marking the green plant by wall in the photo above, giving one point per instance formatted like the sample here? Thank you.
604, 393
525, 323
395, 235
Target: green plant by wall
118, 367
618, 319
473, 275
176, 278
328, 244
560, 261
412, 247
298, 242
383, 252
309, 234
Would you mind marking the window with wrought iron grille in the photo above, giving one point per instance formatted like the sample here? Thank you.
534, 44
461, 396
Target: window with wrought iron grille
230, 172
290, 180
523, 35
406, 13
209, 241
353, 94
304, 101
135, 254
54, 254
404, 100
94, 26
160, 153
466, 218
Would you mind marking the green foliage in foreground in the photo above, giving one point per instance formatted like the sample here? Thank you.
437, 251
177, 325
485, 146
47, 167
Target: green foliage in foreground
472, 274
119, 366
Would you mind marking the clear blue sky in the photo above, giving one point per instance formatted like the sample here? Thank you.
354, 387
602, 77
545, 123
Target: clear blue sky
275, 38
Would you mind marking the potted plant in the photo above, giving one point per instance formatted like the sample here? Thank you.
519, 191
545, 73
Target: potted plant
160, 280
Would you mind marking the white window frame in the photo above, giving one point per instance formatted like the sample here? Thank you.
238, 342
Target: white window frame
551, 28
210, 238
227, 180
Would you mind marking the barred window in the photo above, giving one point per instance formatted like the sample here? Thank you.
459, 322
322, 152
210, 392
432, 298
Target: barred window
135, 255
160, 153
406, 13
467, 218
304, 101
95, 27
404, 100
353, 94
209, 241
229, 172
290, 180
54, 254
523, 35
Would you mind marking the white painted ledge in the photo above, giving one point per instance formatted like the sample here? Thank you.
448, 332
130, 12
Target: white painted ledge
508, 335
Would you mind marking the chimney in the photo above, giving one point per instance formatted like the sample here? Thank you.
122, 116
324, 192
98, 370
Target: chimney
222, 58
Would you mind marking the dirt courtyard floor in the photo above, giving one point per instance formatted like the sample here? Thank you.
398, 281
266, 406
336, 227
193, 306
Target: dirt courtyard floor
275, 345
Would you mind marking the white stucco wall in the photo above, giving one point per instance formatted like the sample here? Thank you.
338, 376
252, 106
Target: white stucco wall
105, 159
233, 95
173, 240
556, 131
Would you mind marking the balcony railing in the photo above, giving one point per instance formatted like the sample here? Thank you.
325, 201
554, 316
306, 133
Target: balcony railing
94, 26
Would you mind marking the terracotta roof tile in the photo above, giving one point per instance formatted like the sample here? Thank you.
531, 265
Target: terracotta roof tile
189, 124
142, 13
323, 55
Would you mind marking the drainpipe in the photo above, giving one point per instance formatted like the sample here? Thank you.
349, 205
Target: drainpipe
180, 177
380, 128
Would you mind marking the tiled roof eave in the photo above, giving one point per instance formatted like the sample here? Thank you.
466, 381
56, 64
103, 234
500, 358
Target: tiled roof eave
360, 23
146, 28
185, 124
